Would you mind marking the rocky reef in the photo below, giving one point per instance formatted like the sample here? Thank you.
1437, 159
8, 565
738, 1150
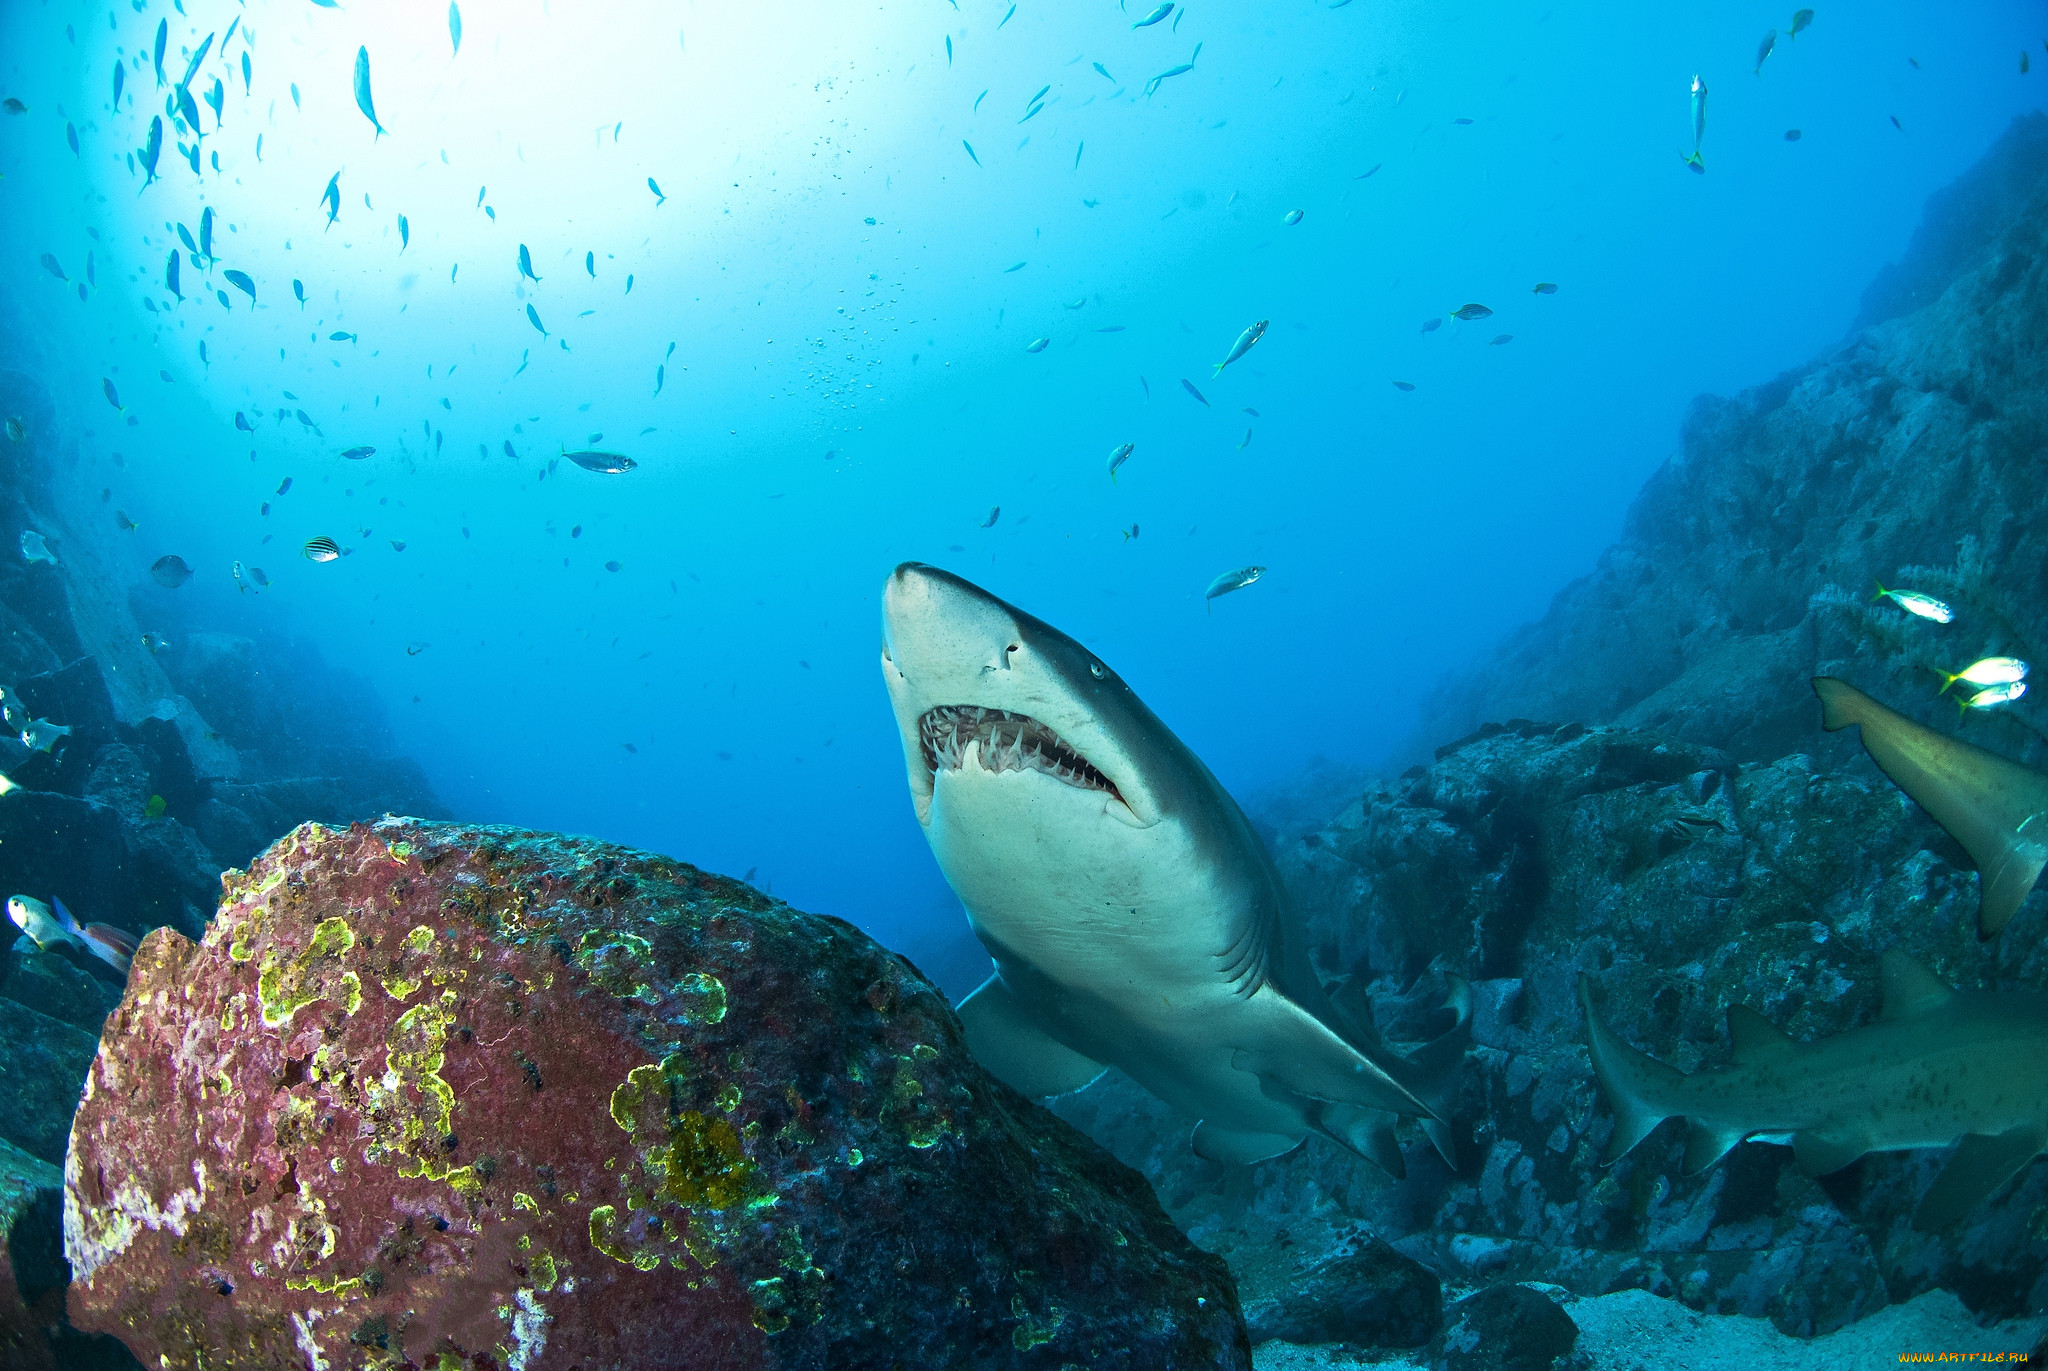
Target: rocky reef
1682, 831
443, 1096
1908, 455
174, 758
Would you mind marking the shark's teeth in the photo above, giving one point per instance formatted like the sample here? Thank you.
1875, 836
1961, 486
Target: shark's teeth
1007, 742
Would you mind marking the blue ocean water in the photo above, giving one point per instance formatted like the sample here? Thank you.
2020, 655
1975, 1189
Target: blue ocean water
816, 346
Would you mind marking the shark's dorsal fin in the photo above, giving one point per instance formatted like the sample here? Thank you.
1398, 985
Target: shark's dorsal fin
1756, 1039
1996, 808
1982, 1164
1910, 989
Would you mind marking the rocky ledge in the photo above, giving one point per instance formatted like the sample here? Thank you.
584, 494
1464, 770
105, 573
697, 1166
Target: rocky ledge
447, 1096
1684, 883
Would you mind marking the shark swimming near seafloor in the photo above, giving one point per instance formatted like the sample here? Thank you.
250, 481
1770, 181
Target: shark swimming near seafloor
1996, 808
1940, 1065
1133, 915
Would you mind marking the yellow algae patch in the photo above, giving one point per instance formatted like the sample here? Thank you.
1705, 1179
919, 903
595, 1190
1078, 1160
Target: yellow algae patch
326, 1285
542, 1267
414, 1056
634, 1092
616, 962
284, 988
399, 988
925, 1124
702, 1166
420, 939
703, 997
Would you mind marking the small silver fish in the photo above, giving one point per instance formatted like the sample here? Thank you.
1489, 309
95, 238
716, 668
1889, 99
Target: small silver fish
363, 101
1699, 123
1291, 218
1244, 342
1763, 50
1800, 19
1986, 671
1037, 345
41, 735
1119, 457
993, 515
1154, 17
1913, 602
607, 463
34, 918
1992, 696
34, 549
1233, 580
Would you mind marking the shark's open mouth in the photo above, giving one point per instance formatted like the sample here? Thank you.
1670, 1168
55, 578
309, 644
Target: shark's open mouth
1009, 742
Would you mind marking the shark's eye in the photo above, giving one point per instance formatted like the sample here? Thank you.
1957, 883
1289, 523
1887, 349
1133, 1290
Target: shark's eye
1095, 670
1012, 647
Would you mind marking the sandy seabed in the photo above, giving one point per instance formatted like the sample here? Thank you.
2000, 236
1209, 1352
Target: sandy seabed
1633, 1330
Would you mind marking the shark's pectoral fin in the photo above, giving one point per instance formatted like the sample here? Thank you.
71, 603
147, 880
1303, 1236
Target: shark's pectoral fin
1819, 1153
1241, 1149
1008, 1042
1706, 1143
1981, 1164
1368, 1132
1297, 1051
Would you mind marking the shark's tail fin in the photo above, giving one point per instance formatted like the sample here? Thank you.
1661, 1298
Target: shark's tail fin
1639, 1088
1441, 1064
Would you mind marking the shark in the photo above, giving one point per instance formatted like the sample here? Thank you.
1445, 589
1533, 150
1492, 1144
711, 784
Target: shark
1132, 915
1939, 1065
1996, 808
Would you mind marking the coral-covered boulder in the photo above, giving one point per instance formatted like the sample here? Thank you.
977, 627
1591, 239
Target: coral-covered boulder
484, 1098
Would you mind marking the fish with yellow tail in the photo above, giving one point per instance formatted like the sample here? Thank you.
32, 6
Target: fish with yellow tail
1996, 808
1940, 1066
1986, 671
1918, 605
1699, 124
1244, 342
51, 925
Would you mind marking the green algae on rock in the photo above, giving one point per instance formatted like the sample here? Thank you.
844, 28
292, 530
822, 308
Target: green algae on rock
479, 1097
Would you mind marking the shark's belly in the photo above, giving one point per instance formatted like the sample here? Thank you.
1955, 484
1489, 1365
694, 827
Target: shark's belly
1098, 907
1118, 937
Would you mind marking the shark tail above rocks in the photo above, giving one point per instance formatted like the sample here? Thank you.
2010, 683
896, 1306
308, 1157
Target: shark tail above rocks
1642, 1091
1433, 1073
1996, 808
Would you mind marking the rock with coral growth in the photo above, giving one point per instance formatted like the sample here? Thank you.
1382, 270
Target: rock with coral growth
480, 1097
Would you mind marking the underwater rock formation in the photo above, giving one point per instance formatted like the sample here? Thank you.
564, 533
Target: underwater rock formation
486, 1097
1683, 883
1910, 454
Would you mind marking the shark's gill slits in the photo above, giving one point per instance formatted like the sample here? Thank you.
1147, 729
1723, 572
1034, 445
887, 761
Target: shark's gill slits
1009, 742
